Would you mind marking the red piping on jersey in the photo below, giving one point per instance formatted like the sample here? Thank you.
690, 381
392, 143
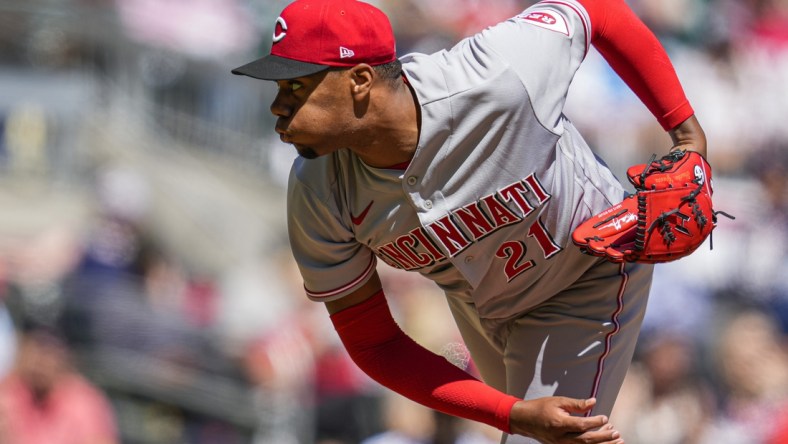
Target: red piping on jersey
400, 166
329, 293
616, 328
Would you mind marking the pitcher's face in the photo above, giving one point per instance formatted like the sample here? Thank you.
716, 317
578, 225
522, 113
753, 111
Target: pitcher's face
314, 113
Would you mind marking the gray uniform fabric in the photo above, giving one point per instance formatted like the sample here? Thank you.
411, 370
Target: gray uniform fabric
485, 209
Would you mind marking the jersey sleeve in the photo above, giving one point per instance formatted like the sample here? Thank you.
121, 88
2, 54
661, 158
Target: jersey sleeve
544, 45
331, 261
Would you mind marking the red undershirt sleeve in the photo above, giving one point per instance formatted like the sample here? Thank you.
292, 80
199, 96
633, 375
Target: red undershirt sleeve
385, 353
636, 55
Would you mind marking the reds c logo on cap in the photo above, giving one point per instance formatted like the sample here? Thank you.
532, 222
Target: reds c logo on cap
311, 35
280, 29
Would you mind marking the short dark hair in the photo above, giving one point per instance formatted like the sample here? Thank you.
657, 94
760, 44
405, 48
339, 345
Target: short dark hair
390, 72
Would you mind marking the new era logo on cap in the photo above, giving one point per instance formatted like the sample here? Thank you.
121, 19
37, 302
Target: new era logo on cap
313, 35
345, 53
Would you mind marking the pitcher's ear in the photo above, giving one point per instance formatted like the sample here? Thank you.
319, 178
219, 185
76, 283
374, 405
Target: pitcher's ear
361, 78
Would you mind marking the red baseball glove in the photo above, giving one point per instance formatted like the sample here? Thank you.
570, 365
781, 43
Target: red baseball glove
668, 217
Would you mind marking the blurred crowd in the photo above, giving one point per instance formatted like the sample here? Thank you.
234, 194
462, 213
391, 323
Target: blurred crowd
147, 294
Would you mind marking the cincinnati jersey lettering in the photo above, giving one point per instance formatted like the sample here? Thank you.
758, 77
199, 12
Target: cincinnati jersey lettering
456, 231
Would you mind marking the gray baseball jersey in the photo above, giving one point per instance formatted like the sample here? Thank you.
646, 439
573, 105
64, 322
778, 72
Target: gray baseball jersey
498, 181
485, 209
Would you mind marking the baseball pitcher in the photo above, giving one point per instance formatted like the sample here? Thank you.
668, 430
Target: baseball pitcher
461, 166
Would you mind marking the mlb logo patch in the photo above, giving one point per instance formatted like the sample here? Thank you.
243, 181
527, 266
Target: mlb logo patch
546, 19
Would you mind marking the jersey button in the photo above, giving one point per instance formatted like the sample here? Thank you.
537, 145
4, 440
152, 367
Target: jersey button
412, 180
428, 204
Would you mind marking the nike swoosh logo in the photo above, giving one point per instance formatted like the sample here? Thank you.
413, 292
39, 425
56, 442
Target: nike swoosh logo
357, 220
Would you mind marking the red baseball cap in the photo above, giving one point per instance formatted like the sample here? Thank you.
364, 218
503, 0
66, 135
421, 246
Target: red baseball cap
313, 35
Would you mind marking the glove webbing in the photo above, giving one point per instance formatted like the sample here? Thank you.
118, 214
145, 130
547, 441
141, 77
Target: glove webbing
714, 220
666, 230
664, 164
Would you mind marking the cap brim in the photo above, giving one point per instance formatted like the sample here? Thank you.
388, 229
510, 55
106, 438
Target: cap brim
272, 67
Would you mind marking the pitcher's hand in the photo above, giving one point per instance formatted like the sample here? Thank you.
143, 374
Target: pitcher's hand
550, 421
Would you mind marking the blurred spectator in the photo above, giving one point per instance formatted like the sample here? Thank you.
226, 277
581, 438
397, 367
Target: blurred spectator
677, 21
280, 366
421, 309
765, 236
7, 331
770, 24
663, 399
126, 291
407, 422
26, 135
7, 340
434, 25
205, 29
753, 368
45, 401
681, 304
347, 402
780, 435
